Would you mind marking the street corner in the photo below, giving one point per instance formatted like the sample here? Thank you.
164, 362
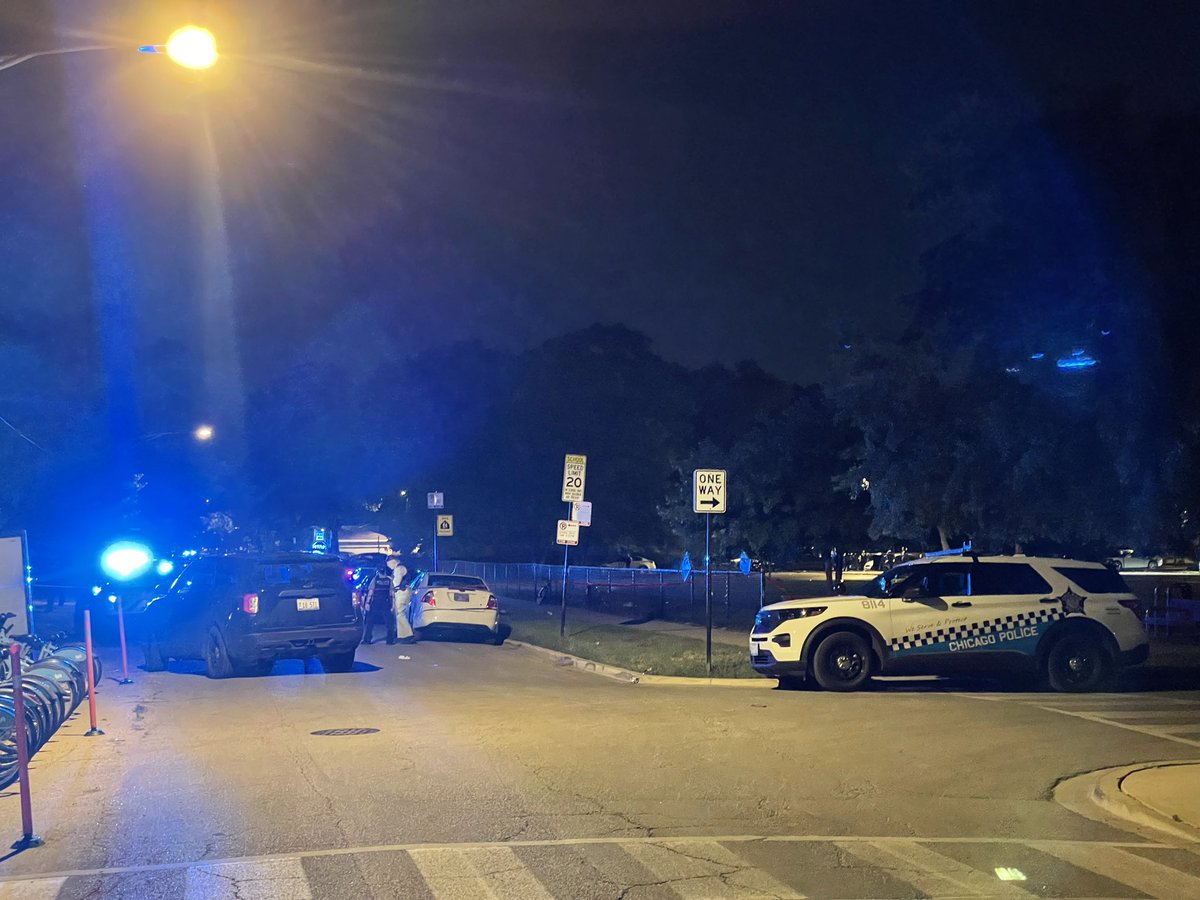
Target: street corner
1151, 799
624, 675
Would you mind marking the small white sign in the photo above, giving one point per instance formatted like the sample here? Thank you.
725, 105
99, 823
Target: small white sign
708, 491
574, 475
568, 533
445, 526
581, 512
436, 499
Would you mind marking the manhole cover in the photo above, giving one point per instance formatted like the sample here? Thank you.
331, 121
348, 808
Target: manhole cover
341, 732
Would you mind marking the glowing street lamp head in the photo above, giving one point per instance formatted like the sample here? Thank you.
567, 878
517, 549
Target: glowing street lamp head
203, 433
192, 47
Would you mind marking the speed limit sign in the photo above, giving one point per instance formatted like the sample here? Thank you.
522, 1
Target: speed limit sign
574, 474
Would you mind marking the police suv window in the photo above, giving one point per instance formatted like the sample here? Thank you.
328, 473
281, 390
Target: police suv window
1095, 581
948, 580
1007, 578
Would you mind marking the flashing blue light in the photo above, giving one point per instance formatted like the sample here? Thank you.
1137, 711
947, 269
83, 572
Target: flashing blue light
1076, 362
164, 567
1038, 355
151, 48
126, 559
1078, 351
96, 589
112, 598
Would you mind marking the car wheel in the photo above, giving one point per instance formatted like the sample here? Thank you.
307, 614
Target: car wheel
842, 662
791, 683
156, 661
496, 638
338, 662
1076, 663
216, 659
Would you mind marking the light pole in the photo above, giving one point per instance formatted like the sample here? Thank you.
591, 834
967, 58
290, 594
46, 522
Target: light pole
191, 46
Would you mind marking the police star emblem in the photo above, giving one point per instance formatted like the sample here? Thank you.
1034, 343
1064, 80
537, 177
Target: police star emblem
1071, 602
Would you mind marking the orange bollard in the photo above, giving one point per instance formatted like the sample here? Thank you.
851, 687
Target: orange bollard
91, 673
125, 679
28, 838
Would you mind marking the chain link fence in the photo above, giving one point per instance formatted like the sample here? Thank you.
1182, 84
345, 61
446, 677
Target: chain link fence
632, 593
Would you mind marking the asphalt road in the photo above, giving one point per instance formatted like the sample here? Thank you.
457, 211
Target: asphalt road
495, 773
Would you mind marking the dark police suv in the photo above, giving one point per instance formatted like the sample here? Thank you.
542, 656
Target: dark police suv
241, 613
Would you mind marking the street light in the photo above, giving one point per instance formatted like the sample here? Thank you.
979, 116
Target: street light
203, 433
192, 47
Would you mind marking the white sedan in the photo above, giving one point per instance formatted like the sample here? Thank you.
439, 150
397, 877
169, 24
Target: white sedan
443, 602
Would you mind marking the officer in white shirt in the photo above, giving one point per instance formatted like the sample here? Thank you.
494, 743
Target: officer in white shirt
399, 584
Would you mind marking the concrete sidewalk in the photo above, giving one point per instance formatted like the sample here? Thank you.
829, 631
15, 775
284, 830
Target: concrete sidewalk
1149, 798
1170, 790
578, 618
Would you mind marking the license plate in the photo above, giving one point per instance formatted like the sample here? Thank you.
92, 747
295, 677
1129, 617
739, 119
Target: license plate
307, 603
462, 598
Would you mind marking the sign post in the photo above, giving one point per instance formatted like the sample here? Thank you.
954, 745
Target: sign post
708, 498
437, 500
574, 476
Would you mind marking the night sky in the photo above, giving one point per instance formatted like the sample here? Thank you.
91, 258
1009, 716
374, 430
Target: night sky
727, 177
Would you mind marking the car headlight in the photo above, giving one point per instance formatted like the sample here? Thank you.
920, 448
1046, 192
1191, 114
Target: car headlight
804, 612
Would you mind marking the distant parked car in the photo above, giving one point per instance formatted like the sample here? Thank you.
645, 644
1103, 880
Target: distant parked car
632, 562
1127, 560
439, 602
241, 613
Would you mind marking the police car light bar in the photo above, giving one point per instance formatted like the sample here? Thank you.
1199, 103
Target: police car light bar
964, 550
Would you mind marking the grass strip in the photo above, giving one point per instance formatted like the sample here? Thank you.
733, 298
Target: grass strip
639, 650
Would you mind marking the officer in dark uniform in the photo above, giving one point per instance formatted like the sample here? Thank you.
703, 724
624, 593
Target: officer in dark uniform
380, 607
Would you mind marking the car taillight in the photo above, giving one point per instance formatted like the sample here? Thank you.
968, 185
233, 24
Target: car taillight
1134, 605
349, 574
250, 604
491, 603
429, 599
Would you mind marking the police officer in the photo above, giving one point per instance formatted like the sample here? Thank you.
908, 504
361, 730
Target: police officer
380, 607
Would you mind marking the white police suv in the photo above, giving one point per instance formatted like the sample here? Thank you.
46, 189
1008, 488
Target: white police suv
1071, 622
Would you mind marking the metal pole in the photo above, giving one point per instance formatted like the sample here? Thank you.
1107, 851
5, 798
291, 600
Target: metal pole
125, 679
435, 565
762, 588
562, 621
91, 674
28, 838
708, 592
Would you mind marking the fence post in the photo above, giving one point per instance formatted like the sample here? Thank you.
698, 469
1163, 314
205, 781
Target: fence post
28, 838
91, 674
728, 575
662, 600
125, 679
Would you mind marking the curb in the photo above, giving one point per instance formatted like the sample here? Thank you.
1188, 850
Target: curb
624, 675
1099, 795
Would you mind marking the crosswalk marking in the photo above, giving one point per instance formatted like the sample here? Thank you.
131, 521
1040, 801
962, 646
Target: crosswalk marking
1128, 868
41, 889
930, 872
704, 870
477, 873
1117, 711
722, 868
274, 879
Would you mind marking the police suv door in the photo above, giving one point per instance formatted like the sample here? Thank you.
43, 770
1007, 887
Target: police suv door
926, 611
1012, 604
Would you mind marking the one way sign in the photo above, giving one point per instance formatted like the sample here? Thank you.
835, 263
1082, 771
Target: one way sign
708, 491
